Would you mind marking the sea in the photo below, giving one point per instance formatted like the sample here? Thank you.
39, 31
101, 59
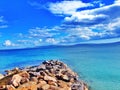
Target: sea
96, 64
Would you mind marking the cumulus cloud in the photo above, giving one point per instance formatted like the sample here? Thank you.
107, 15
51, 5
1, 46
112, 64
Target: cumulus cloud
89, 23
42, 32
40, 36
67, 7
117, 2
8, 43
78, 25
114, 24
51, 41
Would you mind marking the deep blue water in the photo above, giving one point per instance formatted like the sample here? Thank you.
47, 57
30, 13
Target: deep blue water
98, 65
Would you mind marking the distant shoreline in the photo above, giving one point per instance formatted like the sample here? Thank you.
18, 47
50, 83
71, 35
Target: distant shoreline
55, 46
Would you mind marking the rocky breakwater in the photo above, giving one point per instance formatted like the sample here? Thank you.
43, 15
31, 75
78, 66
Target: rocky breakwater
50, 75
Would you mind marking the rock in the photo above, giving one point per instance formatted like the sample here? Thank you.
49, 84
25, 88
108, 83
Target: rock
62, 84
28, 86
24, 74
10, 87
85, 87
34, 79
45, 87
42, 82
49, 67
41, 67
39, 85
1, 76
2, 87
51, 75
14, 71
52, 83
55, 87
65, 78
49, 78
32, 74
16, 79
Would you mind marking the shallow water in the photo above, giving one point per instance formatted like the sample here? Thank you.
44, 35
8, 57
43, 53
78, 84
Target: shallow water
98, 65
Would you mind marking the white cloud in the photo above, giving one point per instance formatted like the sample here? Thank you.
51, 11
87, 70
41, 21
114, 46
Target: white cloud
52, 41
78, 25
85, 18
67, 7
89, 17
98, 22
3, 22
99, 2
114, 24
83, 33
117, 2
8, 43
41, 32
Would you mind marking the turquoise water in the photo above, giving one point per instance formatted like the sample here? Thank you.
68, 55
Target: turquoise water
97, 65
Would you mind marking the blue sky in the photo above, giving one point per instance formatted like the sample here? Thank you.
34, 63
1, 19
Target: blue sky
29, 23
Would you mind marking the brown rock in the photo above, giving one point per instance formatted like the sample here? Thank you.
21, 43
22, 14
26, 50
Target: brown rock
65, 77
49, 78
1, 76
41, 83
55, 87
34, 79
16, 80
24, 74
28, 86
14, 71
62, 84
25, 77
10, 87
66, 88
45, 87
2, 87
85, 87
52, 83
51, 75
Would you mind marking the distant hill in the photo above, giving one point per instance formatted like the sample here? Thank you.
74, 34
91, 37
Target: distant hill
73, 45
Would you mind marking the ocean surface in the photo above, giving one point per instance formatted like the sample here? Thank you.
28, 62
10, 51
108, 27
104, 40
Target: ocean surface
97, 65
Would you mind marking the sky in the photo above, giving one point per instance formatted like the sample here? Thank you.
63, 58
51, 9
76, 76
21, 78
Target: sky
31, 23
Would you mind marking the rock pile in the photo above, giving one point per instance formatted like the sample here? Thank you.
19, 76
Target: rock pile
50, 75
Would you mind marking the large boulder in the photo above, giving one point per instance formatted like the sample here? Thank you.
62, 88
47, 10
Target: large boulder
16, 79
